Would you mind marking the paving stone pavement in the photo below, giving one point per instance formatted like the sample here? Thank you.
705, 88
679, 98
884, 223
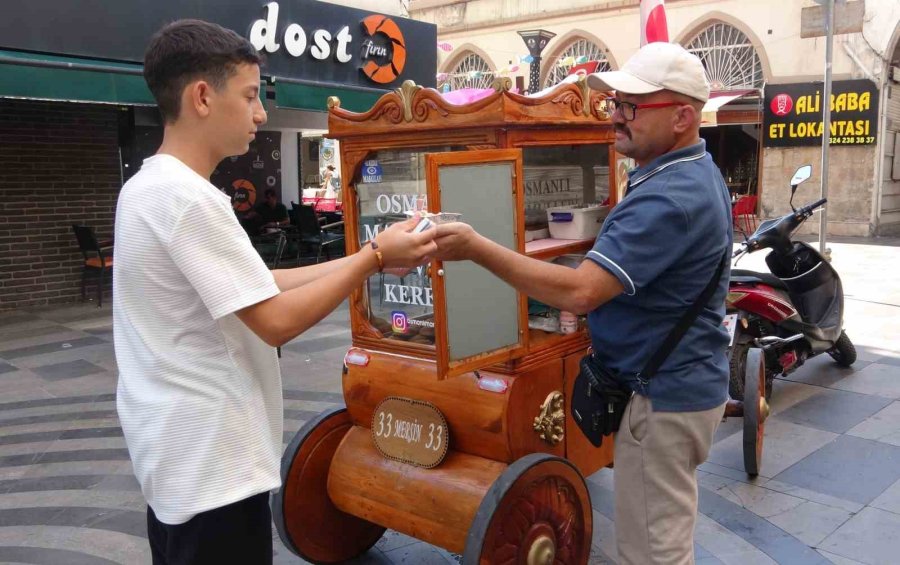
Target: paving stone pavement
829, 490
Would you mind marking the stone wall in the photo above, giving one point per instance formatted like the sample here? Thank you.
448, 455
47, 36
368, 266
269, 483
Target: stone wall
850, 182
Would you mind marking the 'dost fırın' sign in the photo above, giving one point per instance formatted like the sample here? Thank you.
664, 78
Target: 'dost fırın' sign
304, 40
793, 114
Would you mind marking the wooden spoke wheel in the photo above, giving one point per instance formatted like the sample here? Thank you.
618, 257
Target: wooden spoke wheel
307, 521
756, 409
538, 512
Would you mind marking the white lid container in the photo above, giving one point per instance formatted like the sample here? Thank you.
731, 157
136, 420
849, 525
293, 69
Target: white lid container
576, 222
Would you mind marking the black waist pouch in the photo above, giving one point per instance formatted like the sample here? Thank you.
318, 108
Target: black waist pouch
598, 400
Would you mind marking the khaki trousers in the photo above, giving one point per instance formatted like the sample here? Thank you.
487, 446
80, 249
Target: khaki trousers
656, 459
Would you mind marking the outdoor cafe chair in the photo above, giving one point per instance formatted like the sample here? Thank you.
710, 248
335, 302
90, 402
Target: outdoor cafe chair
324, 238
97, 259
743, 214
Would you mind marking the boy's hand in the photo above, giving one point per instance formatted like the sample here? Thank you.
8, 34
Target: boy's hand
402, 249
455, 241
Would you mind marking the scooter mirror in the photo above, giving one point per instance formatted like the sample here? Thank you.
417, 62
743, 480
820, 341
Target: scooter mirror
802, 174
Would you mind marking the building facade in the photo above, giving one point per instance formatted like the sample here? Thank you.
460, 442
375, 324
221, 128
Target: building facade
77, 120
757, 55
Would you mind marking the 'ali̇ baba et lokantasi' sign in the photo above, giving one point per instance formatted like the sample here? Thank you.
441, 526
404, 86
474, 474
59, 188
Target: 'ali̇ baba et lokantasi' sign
793, 114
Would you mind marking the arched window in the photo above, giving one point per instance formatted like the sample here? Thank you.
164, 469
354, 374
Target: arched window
580, 51
730, 59
471, 72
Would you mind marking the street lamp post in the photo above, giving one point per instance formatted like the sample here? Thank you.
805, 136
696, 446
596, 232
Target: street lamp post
826, 122
535, 40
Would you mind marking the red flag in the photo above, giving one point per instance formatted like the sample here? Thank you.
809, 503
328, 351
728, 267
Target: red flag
585, 68
653, 22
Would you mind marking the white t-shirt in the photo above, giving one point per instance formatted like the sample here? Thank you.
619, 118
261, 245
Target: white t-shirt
199, 394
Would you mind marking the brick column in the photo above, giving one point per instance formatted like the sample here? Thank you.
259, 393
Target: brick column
60, 165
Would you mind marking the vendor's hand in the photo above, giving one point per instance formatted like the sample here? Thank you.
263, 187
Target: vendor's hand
402, 249
455, 241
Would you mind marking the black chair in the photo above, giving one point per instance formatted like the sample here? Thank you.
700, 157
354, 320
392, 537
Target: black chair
270, 247
97, 259
312, 232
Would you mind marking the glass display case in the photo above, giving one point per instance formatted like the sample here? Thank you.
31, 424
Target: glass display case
561, 164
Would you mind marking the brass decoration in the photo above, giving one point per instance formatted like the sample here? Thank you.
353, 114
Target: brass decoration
549, 423
598, 107
407, 92
542, 551
333, 102
502, 84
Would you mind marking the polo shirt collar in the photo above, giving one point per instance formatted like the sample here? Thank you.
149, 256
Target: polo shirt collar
689, 153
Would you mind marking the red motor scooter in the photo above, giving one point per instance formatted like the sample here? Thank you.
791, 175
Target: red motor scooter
778, 320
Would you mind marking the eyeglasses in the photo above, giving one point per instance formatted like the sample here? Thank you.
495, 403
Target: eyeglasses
629, 110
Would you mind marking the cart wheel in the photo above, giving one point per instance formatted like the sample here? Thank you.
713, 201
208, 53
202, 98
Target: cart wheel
307, 521
756, 410
538, 512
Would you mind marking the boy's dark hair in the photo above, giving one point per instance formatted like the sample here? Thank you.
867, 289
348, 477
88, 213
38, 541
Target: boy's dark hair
189, 50
270, 192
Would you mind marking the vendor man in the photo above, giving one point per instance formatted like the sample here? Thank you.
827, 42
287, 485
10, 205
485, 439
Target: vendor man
657, 251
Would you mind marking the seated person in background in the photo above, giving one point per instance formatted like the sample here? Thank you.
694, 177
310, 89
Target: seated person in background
269, 213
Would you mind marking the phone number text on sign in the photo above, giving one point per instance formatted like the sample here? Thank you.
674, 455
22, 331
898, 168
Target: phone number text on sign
410, 431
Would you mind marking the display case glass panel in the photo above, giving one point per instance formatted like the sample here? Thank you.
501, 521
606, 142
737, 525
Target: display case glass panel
480, 319
482, 310
563, 175
391, 183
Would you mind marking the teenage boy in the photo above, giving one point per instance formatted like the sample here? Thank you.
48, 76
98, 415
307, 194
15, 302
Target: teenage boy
197, 314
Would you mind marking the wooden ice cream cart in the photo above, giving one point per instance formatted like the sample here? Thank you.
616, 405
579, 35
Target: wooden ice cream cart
457, 429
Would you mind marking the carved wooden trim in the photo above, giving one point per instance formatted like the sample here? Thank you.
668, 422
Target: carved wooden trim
409, 103
414, 106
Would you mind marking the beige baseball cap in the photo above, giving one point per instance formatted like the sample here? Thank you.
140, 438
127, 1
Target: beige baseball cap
657, 66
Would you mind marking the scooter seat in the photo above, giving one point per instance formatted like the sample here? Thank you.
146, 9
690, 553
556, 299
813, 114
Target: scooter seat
741, 276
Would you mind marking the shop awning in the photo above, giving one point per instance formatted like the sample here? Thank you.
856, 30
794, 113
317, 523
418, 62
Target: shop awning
73, 79
719, 98
53, 77
297, 95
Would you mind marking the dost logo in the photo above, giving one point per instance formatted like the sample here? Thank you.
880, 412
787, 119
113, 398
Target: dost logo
384, 49
399, 322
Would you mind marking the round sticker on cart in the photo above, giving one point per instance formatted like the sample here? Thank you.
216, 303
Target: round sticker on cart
276, 155
270, 181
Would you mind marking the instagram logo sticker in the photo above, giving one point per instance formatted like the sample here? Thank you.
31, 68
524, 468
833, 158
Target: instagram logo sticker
399, 322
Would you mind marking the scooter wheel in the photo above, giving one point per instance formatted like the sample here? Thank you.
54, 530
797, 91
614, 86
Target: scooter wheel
737, 365
843, 352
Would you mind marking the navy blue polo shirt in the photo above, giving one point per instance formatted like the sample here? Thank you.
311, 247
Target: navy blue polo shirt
663, 242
